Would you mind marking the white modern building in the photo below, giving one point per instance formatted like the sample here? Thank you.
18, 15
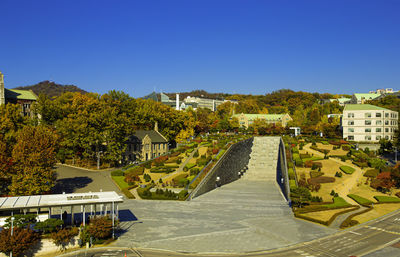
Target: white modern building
368, 123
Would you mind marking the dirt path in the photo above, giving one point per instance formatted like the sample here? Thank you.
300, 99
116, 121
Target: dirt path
351, 181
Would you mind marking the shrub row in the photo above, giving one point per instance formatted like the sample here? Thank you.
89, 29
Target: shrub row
162, 169
387, 199
360, 200
321, 180
347, 169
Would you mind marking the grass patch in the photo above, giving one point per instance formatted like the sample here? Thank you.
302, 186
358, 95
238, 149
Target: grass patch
347, 169
338, 202
360, 200
387, 199
120, 181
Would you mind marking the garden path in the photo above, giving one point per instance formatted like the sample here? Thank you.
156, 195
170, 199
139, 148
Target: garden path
342, 189
183, 164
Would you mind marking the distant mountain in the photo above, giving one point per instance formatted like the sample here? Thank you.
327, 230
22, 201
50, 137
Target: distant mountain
51, 88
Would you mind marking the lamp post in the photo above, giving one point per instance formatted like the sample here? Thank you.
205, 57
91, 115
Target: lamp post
12, 230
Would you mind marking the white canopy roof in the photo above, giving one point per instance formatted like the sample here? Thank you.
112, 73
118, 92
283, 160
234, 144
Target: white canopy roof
38, 201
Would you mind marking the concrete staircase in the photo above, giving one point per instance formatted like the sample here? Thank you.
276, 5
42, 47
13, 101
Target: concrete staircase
263, 159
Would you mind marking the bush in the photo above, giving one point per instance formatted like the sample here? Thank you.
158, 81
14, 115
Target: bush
361, 164
117, 173
135, 171
196, 154
314, 174
49, 225
304, 156
338, 174
189, 166
162, 169
183, 194
299, 162
194, 171
347, 169
320, 180
146, 165
346, 148
64, 236
387, 199
372, 173
100, 227
360, 200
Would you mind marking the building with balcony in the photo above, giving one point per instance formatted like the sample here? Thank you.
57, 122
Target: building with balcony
368, 123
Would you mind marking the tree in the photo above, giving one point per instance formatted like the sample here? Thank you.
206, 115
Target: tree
21, 220
100, 227
21, 240
34, 157
63, 237
49, 225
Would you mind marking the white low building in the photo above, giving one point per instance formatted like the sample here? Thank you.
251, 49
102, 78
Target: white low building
368, 123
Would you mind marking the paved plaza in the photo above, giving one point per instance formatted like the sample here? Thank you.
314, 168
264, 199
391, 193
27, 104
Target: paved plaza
243, 216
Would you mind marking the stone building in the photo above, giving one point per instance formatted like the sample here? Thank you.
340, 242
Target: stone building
368, 123
145, 145
25, 98
245, 120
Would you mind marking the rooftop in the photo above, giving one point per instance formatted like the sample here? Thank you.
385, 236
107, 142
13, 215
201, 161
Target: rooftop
20, 94
362, 107
35, 201
368, 96
155, 136
261, 116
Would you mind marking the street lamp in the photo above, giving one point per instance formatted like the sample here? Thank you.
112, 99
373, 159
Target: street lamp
12, 230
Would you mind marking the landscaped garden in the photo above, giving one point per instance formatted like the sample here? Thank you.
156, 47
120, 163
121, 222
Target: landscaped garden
169, 177
334, 171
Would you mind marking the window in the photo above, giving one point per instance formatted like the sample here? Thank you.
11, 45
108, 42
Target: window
378, 115
378, 122
386, 130
386, 137
378, 130
147, 147
350, 138
368, 122
368, 115
351, 122
368, 130
378, 137
351, 130
386, 115
386, 122
368, 138
350, 115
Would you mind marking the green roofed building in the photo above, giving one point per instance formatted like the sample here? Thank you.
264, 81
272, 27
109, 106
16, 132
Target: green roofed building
362, 98
368, 123
245, 120
25, 98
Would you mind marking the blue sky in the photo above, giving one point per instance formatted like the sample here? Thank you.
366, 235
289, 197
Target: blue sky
248, 46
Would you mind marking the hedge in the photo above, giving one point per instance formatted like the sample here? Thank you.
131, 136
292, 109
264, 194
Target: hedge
117, 173
360, 200
387, 199
190, 165
347, 169
321, 180
371, 173
361, 164
220, 154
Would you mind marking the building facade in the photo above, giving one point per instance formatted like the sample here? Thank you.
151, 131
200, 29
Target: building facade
245, 120
25, 98
145, 145
368, 123
362, 98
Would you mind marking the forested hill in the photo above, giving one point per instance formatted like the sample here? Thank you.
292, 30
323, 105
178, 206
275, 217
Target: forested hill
51, 89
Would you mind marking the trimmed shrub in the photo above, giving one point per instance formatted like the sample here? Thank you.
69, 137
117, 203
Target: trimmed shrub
346, 148
371, 173
315, 174
360, 200
347, 169
117, 173
320, 180
194, 171
303, 156
338, 174
387, 199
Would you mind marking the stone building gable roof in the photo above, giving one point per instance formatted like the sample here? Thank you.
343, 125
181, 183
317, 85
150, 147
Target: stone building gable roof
20, 94
155, 136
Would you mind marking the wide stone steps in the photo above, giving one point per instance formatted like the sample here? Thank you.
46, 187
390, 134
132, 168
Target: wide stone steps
263, 159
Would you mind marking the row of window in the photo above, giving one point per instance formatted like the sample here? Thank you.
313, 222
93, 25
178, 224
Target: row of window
378, 122
377, 115
370, 138
369, 130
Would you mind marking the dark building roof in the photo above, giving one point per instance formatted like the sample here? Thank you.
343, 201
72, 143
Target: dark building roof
155, 136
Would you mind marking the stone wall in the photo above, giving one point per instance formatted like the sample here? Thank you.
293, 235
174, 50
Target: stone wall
227, 168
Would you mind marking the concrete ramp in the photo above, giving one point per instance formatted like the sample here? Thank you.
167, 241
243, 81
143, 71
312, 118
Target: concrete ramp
263, 159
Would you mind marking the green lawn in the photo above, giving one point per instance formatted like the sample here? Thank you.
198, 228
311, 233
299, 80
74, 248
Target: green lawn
347, 169
120, 181
338, 202
360, 200
387, 199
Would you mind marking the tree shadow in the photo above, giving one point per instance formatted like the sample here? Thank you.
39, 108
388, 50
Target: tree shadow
69, 185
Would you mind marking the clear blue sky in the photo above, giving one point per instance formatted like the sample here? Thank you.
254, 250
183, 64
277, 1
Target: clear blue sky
248, 46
